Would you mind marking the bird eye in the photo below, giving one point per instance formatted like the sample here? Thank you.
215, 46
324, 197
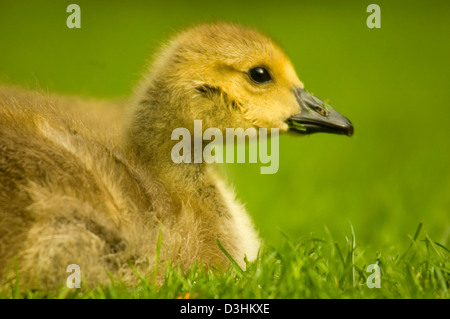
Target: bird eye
260, 75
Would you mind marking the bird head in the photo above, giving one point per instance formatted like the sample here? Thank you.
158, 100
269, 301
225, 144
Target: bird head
231, 76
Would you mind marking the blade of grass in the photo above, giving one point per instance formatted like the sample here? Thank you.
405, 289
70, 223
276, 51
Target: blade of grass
353, 254
416, 235
158, 252
233, 262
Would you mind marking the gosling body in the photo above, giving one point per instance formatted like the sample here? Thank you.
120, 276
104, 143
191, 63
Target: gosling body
93, 183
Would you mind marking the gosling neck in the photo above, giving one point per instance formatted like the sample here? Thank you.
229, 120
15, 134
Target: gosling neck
148, 137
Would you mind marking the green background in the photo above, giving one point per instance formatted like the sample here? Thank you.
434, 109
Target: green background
391, 82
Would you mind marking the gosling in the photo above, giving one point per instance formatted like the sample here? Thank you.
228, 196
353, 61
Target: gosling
94, 185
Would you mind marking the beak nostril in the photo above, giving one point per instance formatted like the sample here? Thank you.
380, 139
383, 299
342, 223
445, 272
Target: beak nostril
320, 110
320, 106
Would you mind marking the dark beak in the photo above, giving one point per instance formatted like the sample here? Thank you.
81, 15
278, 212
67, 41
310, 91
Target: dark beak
317, 116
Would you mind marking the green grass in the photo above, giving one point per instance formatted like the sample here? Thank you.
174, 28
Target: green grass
393, 174
309, 267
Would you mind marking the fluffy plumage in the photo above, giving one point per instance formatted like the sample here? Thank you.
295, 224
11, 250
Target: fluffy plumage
93, 184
